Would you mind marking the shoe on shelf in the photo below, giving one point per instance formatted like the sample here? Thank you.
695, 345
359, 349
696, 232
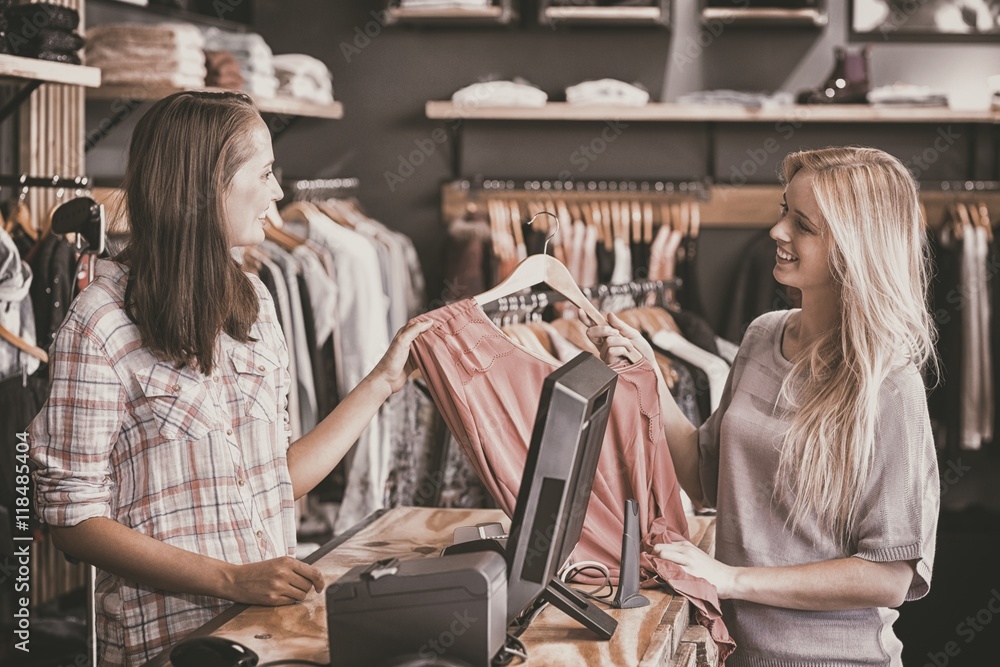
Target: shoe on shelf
847, 84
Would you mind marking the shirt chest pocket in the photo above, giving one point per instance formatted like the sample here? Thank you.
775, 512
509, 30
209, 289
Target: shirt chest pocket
179, 401
256, 379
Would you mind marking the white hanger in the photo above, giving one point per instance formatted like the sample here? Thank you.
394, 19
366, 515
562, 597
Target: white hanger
549, 270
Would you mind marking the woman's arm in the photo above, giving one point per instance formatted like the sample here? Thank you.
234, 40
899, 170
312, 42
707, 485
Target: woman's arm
617, 341
843, 583
314, 455
126, 553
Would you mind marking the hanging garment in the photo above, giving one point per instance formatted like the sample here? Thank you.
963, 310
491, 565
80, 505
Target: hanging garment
16, 312
52, 264
487, 390
713, 366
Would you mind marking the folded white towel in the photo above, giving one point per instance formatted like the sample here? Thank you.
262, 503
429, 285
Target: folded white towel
607, 91
500, 94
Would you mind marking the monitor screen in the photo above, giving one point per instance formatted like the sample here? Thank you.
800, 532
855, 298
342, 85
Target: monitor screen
558, 476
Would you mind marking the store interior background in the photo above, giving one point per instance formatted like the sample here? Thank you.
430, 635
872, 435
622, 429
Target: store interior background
384, 81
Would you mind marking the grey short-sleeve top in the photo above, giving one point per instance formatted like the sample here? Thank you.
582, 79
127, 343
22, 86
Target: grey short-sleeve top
738, 459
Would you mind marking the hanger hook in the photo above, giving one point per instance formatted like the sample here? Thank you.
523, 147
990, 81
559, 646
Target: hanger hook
545, 248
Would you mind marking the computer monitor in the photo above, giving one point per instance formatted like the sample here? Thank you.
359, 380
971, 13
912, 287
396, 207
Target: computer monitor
555, 489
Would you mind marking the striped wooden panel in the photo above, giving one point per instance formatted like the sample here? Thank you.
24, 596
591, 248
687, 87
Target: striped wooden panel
646, 636
50, 142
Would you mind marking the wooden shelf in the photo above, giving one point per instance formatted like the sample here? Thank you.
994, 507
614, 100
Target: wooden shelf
495, 14
681, 113
16, 67
131, 9
279, 105
608, 16
765, 17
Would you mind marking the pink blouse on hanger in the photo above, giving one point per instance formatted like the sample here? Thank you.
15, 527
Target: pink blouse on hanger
487, 389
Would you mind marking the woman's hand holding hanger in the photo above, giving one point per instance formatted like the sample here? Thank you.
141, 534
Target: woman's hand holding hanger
395, 366
617, 339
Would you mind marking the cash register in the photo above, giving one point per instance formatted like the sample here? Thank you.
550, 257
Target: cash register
459, 605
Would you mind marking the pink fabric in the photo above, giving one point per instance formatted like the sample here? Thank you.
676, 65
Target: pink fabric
487, 390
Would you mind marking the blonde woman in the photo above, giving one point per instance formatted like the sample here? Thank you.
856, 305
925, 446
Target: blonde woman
820, 458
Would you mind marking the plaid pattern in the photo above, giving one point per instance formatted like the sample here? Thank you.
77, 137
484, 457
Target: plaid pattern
197, 462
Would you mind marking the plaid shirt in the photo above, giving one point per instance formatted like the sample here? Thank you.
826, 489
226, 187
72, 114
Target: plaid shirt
194, 461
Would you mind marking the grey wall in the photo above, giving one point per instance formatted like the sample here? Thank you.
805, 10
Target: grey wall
385, 79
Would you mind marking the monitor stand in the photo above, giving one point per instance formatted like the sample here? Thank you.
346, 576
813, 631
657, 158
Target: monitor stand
558, 594
564, 598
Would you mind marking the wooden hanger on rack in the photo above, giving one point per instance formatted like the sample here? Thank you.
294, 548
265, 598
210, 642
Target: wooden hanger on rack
275, 231
20, 217
23, 345
546, 269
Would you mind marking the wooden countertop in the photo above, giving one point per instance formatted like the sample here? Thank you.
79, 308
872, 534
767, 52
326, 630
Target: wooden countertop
660, 634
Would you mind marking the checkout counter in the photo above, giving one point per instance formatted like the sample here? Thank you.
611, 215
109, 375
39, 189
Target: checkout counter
662, 634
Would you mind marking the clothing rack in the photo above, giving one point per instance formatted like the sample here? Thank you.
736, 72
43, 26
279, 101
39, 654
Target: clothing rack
460, 197
960, 186
320, 188
25, 181
536, 301
696, 188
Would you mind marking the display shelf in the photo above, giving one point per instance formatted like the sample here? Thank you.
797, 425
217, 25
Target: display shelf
498, 14
655, 15
187, 15
758, 17
844, 113
277, 105
32, 69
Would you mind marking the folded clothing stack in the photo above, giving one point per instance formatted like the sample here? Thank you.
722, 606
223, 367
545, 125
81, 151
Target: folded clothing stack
304, 77
607, 91
41, 30
254, 55
165, 54
442, 5
904, 94
223, 70
500, 94
749, 100
4, 44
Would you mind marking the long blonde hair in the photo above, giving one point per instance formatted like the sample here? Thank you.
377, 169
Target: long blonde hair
879, 261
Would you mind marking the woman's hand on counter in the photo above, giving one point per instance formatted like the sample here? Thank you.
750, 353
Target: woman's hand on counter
274, 582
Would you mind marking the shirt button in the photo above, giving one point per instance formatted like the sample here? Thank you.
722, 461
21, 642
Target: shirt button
240, 481
260, 368
177, 388
216, 378
260, 534
229, 431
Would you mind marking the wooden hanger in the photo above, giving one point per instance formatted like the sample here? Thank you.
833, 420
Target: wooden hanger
695, 219
647, 221
274, 230
539, 269
635, 217
21, 217
23, 345
984, 218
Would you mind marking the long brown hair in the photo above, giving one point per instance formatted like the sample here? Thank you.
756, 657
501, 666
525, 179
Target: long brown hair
184, 286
